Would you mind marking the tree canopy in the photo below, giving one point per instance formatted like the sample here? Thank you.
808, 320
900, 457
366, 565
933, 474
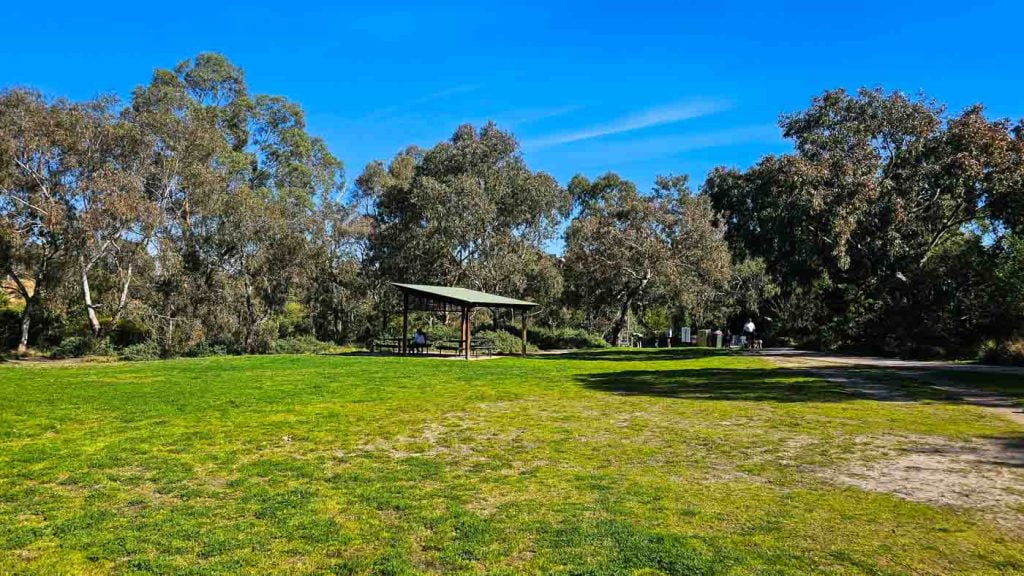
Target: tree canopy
868, 223
199, 216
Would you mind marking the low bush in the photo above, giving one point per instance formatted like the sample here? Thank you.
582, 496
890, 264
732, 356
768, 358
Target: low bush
1007, 353
148, 350
204, 348
503, 341
438, 332
79, 346
10, 328
547, 339
300, 345
128, 332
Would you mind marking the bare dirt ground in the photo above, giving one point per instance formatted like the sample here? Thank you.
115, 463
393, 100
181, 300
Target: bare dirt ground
985, 475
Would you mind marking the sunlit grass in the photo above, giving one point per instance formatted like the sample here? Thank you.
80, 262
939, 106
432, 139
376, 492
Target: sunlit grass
603, 463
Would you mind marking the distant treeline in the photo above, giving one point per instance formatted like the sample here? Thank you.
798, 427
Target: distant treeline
200, 218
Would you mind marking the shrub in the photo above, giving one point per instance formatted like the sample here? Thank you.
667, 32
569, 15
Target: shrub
10, 327
504, 342
129, 331
300, 345
1008, 352
294, 321
264, 336
78, 346
205, 348
547, 339
438, 332
148, 350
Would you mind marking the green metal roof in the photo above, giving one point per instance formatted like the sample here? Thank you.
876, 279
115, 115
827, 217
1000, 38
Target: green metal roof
463, 295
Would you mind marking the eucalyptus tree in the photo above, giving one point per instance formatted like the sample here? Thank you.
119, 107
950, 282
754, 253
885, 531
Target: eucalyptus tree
468, 212
61, 192
238, 179
626, 251
877, 187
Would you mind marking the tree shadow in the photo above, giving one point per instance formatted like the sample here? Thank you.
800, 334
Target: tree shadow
637, 354
765, 385
1002, 451
1011, 451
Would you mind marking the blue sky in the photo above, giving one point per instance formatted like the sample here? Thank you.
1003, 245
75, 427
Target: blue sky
641, 88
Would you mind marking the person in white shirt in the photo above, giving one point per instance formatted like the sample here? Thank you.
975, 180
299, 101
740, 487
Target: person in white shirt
748, 330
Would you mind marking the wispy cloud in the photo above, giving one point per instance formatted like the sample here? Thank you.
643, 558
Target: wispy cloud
433, 96
514, 118
637, 121
605, 153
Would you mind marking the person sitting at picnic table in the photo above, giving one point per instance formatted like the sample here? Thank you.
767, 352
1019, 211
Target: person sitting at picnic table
419, 341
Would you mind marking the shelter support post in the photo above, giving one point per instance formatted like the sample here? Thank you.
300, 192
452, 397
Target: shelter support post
462, 329
524, 313
469, 330
405, 324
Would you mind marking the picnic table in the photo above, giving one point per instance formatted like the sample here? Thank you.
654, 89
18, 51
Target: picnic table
386, 343
477, 347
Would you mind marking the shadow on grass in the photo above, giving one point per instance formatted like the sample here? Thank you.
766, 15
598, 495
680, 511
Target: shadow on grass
1003, 451
637, 355
770, 385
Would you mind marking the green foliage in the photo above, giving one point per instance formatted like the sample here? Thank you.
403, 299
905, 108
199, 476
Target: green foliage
880, 229
207, 218
627, 252
72, 347
79, 346
1007, 353
128, 332
293, 321
147, 350
10, 328
438, 331
206, 348
503, 341
467, 211
300, 345
657, 319
564, 338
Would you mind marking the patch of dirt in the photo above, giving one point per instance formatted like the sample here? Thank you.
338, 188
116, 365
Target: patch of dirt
983, 475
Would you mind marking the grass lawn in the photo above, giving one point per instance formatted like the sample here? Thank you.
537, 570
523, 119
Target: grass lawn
613, 462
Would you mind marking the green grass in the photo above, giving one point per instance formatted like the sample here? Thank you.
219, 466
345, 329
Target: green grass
610, 462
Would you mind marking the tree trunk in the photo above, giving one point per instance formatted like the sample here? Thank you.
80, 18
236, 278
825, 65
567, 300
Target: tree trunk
94, 322
26, 321
250, 322
122, 302
620, 322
